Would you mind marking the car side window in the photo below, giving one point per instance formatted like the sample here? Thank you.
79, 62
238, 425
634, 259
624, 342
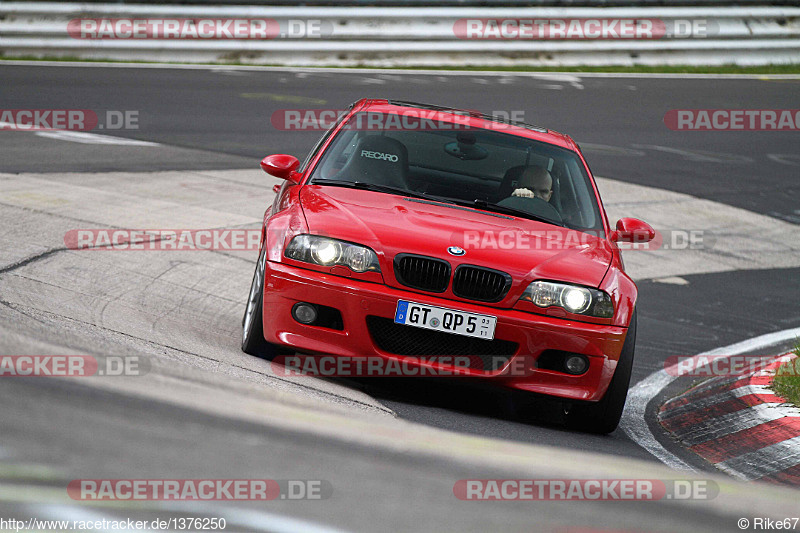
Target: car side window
337, 156
321, 142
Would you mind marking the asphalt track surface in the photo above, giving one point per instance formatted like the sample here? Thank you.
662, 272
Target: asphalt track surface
187, 311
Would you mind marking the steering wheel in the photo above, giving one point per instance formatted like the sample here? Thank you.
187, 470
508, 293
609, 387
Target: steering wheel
535, 206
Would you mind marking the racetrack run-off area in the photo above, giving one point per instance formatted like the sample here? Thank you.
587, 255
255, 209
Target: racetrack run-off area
392, 452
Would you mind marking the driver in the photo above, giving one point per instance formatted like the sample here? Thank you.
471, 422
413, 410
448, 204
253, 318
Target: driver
535, 182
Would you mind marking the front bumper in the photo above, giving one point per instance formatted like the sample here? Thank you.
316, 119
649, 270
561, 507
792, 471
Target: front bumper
286, 285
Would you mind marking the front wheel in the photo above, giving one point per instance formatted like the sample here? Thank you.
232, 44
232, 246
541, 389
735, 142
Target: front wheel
253, 342
604, 416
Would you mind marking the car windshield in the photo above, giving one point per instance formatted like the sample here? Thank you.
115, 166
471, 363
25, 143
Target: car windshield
488, 169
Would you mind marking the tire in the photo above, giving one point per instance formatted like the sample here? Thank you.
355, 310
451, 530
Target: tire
603, 417
253, 342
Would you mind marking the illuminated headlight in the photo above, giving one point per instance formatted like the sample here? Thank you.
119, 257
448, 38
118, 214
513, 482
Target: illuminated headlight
331, 252
572, 298
326, 252
576, 299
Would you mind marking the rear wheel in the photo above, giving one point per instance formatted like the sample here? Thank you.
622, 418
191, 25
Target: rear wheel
253, 341
604, 416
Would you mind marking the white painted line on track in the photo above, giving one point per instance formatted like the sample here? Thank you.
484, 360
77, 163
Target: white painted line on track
92, 138
756, 343
273, 523
634, 425
79, 136
574, 76
253, 520
639, 396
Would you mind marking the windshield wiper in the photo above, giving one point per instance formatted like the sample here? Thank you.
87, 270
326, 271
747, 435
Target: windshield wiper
495, 208
374, 187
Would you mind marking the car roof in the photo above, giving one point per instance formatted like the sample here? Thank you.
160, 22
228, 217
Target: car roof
476, 119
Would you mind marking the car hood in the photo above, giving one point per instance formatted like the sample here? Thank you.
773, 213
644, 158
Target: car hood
392, 224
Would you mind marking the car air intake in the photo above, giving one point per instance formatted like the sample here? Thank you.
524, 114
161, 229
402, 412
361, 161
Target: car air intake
482, 284
491, 355
420, 272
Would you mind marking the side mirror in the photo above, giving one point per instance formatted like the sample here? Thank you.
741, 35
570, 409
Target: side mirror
281, 166
633, 230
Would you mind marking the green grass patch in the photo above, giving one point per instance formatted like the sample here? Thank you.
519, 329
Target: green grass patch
635, 69
787, 380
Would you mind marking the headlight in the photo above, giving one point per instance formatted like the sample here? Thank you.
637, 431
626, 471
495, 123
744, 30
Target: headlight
572, 298
331, 252
325, 252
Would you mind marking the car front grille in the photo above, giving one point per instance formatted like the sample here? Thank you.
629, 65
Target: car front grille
420, 272
416, 342
482, 284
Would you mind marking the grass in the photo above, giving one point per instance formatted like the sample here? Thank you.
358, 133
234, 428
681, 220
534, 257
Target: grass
636, 69
787, 379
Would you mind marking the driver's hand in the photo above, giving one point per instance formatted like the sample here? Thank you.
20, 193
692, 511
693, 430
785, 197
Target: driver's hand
523, 193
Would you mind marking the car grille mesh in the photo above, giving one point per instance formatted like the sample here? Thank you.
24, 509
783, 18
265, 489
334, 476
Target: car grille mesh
424, 273
410, 341
475, 283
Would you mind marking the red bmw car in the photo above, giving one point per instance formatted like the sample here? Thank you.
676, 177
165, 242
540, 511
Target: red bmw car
414, 231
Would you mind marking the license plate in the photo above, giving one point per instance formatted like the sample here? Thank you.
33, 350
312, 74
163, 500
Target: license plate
446, 320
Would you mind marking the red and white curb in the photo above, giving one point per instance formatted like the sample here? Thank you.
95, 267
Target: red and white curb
634, 419
740, 425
